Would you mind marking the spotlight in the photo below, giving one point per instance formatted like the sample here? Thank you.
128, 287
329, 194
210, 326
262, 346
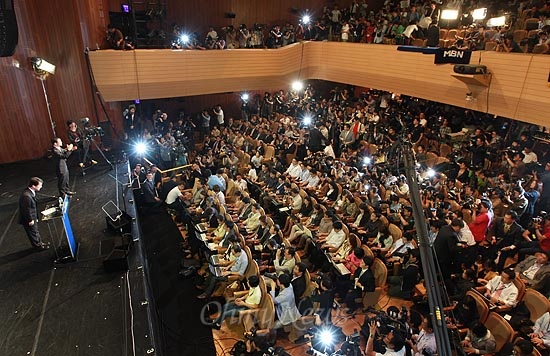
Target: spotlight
449, 14
140, 148
326, 337
430, 173
367, 160
479, 14
41, 66
185, 39
307, 120
245, 97
297, 85
306, 19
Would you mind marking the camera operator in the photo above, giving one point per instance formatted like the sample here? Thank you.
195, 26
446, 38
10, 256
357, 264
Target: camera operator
76, 138
423, 343
394, 342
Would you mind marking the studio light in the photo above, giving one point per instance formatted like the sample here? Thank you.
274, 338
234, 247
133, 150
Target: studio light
41, 66
245, 96
449, 14
185, 39
44, 68
140, 148
496, 21
306, 19
479, 14
297, 85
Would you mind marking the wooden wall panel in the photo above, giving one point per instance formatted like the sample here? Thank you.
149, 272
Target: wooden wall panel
53, 30
519, 81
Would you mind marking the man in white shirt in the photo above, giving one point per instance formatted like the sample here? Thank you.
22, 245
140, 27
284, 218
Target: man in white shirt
424, 342
529, 156
501, 290
334, 239
409, 31
294, 169
241, 183
219, 114
249, 301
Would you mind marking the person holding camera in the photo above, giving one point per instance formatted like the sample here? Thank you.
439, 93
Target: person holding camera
60, 156
286, 263
285, 305
423, 343
394, 342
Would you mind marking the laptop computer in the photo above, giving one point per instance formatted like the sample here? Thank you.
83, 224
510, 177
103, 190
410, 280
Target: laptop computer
215, 260
202, 227
343, 270
215, 270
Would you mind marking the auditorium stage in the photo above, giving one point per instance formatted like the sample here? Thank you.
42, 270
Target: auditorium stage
77, 308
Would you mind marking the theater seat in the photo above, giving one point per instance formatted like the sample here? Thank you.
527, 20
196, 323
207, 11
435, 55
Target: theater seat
500, 328
537, 303
380, 272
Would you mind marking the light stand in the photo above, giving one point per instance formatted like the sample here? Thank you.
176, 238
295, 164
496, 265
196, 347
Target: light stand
47, 104
43, 68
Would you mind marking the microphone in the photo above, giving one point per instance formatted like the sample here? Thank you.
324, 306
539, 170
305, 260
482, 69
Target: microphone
46, 195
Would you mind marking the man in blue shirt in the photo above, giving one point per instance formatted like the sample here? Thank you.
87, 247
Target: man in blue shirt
233, 272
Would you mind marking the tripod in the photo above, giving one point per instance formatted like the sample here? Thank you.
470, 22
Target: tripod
87, 141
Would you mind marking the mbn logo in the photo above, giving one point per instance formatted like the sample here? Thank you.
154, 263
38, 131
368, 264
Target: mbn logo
453, 53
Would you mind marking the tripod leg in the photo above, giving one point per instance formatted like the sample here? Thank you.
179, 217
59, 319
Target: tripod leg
102, 154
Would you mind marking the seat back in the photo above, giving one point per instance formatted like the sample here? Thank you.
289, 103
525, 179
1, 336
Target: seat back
500, 328
540, 49
537, 303
490, 46
451, 34
380, 272
482, 307
520, 35
252, 268
520, 285
367, 250
269, 152
395, 232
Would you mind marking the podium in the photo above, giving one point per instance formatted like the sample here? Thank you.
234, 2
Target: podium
59, 228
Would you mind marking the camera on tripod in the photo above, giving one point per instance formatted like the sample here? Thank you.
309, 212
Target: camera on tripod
90, 131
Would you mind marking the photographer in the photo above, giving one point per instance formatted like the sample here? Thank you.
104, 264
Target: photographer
286, 263
423, 343
394, 342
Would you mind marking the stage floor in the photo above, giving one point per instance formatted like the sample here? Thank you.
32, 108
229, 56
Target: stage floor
68, 309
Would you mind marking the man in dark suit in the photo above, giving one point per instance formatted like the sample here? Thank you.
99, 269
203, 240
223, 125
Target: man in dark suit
60, 156
299, 285
507, 237
28, 213
362, 281
150, 195
446, 245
